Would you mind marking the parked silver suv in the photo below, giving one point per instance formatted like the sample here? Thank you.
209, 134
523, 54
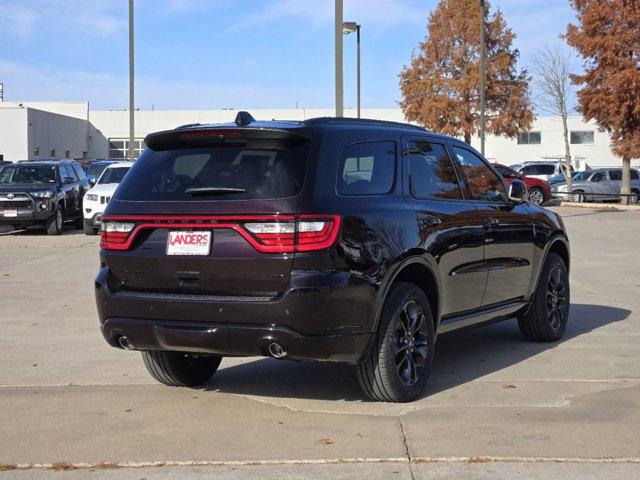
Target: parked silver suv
598, 185
542, 169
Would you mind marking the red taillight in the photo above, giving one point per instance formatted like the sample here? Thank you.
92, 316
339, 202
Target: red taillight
304, 233
267, 234
114, 235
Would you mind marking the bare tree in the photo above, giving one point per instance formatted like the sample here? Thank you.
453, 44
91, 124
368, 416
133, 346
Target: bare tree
553, 86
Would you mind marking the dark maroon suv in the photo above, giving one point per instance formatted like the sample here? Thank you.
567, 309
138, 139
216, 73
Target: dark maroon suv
331, 239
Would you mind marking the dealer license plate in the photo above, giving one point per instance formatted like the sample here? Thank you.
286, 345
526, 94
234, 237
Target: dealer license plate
10, 213
181, 242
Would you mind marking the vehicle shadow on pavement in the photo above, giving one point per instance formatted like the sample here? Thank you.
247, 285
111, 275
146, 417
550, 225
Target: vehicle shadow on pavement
39, 232
460, 357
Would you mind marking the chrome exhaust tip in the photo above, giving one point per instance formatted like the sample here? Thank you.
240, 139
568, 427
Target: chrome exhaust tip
276, 351
124, 343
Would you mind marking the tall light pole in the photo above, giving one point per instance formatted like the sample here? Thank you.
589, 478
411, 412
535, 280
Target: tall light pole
347, 28
338, 55
131, 89
483, 59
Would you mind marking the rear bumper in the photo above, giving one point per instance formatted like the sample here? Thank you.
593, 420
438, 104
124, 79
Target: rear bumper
232, 339
322, 316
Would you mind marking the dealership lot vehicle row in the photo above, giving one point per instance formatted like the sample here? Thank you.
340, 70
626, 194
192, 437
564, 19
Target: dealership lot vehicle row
67, 397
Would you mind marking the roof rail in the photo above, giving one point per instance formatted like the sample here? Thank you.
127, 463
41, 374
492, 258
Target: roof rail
359, 121
188, 125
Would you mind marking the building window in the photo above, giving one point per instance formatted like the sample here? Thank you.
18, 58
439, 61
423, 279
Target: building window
582, 138
52, 153
85, 154
530, 138
119, 148
36, 152
67, 154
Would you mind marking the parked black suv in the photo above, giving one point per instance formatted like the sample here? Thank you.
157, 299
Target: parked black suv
46, 193
330, 239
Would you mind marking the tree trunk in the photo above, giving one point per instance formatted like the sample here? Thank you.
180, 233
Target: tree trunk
626, 180
467, 137
566, 165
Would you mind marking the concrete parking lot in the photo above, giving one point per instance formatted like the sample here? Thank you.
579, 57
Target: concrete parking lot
496, 405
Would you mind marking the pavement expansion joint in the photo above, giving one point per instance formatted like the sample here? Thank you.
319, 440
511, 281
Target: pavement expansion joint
62, 465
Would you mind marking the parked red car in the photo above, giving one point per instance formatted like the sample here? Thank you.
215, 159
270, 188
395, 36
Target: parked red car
539, 191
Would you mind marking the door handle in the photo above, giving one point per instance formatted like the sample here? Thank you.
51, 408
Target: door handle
491, 221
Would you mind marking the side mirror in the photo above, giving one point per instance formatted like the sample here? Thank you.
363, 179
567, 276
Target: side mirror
92, 182
517, 191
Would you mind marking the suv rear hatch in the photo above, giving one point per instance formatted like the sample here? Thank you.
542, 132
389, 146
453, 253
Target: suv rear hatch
213, 212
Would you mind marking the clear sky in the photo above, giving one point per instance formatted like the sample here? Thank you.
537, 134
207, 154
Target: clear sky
226, 53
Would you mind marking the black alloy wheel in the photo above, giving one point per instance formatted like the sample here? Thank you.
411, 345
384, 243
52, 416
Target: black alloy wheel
412, 343
557, 306
547, 316
399, 362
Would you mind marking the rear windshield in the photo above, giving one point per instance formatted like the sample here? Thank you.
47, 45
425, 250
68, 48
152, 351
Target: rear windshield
216, 173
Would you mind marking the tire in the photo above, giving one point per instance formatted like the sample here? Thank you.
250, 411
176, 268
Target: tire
635, 196
406, 325
546, 319
88, 229
578, 197
178, 369
536, 196
55, 223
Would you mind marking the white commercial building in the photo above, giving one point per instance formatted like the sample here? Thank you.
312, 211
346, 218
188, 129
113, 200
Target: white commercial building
33, 130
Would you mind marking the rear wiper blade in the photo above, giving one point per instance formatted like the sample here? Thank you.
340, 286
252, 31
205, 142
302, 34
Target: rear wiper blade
194, 192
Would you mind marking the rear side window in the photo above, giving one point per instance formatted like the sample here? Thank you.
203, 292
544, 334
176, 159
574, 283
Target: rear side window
216, 173
367, 168
483, 183
634, 175
538, 170
431, 173
615, 174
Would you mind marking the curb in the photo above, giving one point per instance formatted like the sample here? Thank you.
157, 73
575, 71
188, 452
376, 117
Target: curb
603, 206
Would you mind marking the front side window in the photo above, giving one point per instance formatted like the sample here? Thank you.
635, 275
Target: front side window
431, 173
578, 138
483, 183
79, 172
64, 173
367, 168
599, 177
506, 172
530, 138
634, 175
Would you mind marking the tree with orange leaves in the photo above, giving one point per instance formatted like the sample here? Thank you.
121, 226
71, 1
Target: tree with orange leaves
608, 37
441, 87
